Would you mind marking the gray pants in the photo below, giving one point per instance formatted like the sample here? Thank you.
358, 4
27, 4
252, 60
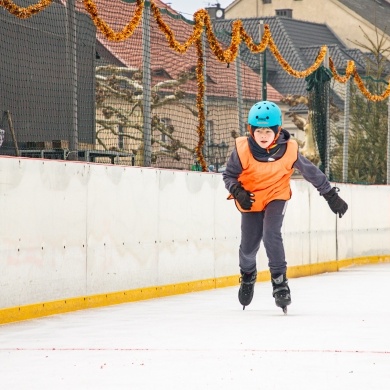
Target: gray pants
265, 225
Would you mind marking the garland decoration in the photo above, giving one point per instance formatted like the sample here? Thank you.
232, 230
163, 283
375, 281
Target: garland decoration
202, 19
106, 30
351, 71
173, 43
24, 13
367, 93
230, 54
251, 45
196, 38
286, 66
200, 105
203, 24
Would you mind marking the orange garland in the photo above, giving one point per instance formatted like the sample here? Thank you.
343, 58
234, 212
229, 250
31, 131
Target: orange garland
251, 45
24, 13
368, 94
173, 43
230, 54
285, 65
200, 105
351, 71
106, 30
203, 21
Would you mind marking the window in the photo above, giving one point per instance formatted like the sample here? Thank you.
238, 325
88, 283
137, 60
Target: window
167, 124
161, 73
121, 142
209, 132
267, 1
284, 12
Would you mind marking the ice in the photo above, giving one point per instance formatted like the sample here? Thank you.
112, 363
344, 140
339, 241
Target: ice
336, 336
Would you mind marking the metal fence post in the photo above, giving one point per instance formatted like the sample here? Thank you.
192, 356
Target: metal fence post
346, 131
327, 145
147, 86
241, 122
71, 58
208, 136
263, 64
388, 141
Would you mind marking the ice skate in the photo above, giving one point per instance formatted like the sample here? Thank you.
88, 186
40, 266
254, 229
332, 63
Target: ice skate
245, 293
281, 292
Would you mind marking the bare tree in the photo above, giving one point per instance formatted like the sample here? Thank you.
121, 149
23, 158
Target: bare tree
380, 50
119, 100
308, 147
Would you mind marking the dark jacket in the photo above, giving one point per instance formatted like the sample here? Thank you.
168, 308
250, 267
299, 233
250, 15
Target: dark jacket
309, 171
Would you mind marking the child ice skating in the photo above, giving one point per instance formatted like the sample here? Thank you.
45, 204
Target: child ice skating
258, 176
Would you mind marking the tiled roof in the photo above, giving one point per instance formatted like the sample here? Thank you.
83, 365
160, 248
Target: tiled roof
339, 55
377, 12
299, 43
129, 53
303, 33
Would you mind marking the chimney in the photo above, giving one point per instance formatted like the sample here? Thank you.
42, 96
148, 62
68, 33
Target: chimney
216, 12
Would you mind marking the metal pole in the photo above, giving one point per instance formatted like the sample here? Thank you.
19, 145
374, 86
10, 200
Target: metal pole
241, 121
209, 137
346, 131
264, 75
147, 86
71, 57
327, 150
263, 64
12, 130
388, 141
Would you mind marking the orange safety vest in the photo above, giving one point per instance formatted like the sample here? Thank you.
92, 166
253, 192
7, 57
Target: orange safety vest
269, 180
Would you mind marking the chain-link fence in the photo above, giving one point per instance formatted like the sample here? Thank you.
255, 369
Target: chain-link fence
47, 82
350, 132
73, 89
68, 92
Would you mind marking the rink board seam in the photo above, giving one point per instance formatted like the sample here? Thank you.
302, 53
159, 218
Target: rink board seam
27, 312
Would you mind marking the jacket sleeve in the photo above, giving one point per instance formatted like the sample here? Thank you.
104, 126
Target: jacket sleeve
232, 171
312, 174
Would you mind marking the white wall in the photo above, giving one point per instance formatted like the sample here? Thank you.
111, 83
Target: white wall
70, 229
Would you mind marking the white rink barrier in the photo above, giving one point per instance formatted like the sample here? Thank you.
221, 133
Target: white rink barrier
71, 230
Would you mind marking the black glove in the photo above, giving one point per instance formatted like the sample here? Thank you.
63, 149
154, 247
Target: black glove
336, 204
243, 197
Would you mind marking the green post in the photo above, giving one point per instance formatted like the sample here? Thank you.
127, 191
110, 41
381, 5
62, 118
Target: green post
265, 75
263, 65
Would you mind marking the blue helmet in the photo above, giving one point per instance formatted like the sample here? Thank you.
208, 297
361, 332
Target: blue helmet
265, 114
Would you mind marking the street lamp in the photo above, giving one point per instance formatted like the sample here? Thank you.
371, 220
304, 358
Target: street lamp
217, 153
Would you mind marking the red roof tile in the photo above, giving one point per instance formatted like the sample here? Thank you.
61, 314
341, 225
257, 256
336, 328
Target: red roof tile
221, 78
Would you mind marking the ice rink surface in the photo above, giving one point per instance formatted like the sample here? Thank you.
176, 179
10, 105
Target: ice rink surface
336, 336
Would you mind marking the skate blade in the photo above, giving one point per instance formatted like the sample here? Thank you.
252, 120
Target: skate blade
283, 305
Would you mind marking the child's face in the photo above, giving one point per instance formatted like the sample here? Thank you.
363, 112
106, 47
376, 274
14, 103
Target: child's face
264, 137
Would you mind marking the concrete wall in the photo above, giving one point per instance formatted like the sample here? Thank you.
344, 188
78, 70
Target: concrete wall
70, 229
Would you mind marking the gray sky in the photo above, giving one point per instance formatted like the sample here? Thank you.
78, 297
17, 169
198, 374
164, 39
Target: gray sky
187, 7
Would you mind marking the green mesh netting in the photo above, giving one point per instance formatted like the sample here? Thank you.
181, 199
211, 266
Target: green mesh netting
318, 87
